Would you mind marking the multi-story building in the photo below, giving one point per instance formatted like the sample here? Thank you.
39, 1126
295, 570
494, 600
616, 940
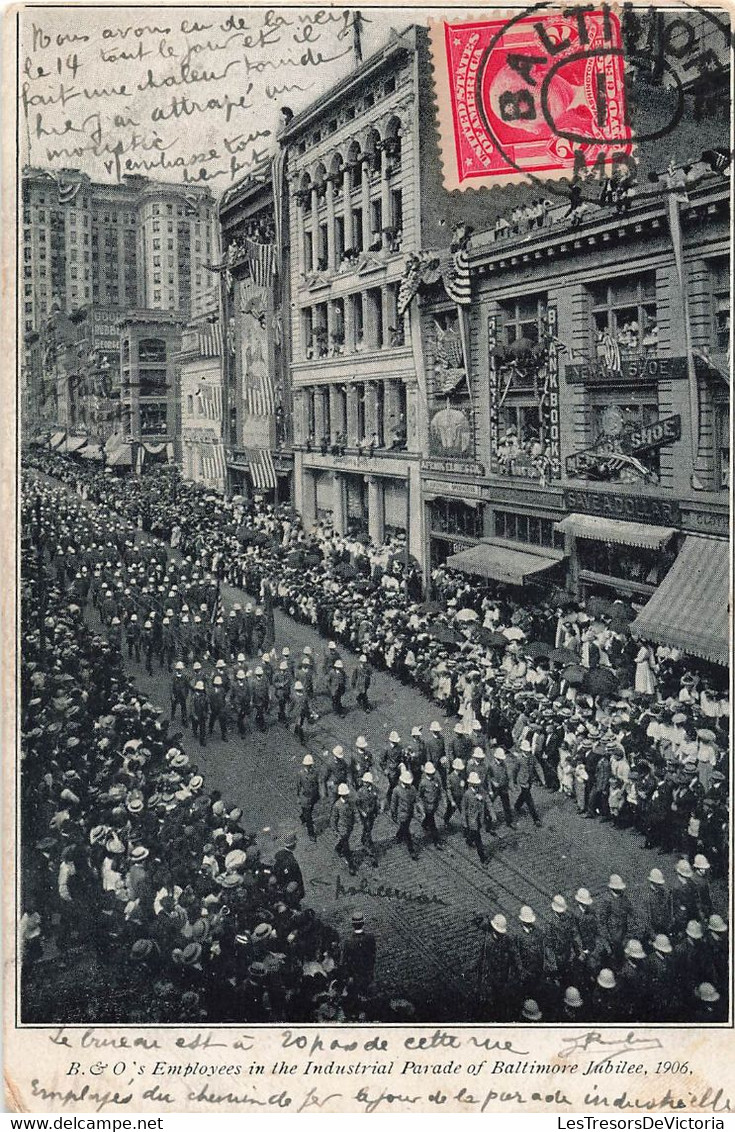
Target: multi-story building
114, 247
150, 417
597, 420
202, 417
365, 194
137, 244
255, 290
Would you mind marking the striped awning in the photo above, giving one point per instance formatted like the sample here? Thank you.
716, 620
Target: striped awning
75, 443
501, 563
690, 610
120, 457
56, 440
615, 530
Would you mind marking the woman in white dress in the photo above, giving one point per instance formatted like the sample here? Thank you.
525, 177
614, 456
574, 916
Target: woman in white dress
645, 666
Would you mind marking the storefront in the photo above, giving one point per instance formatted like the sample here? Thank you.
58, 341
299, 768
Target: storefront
690, 609
618, 544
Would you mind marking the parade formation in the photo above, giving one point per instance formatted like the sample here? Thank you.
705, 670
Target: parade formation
141, 877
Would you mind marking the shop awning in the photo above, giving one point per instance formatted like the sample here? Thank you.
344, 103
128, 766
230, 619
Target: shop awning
75, 443
616, 530
57, 439
490, 560
120, 457
690, 609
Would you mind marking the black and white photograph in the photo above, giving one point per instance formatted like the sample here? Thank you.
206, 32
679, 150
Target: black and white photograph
373, 495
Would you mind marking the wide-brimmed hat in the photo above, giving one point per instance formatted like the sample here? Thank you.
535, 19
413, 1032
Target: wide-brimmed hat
527, 915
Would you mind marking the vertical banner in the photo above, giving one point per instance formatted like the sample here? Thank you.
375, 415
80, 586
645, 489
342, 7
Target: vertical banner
492, 342
550, 415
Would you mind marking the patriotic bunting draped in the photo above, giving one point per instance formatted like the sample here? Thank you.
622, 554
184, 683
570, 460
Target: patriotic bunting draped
262, 469
456, 277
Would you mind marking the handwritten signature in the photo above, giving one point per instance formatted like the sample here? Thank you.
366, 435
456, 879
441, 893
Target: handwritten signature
608, 1047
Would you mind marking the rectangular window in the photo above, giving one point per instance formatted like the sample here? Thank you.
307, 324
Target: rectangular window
527, 528
722, 443
307, 336
339, 238
322, 248
376, 222
624, 310
720, 282
308, 252
522, 319
452, 516
357, 243
358, 321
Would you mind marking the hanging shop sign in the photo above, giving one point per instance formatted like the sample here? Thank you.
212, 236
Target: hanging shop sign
625, 452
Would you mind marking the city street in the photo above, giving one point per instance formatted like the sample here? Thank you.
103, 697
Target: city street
423, 913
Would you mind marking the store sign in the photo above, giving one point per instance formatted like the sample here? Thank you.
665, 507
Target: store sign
637, 368
634, 508
453, 467
708, 522
455, 490
609, 455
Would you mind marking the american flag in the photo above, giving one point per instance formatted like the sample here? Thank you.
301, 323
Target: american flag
210, 341
262, 261
260, 395
262, 469
212, 458
210, 398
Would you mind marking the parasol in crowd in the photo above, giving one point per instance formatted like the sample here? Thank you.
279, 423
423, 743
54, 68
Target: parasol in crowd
466, 615
563, 656
491, 639
575, 675
513, 633
601, 681
430, 607
537, 650
445, 634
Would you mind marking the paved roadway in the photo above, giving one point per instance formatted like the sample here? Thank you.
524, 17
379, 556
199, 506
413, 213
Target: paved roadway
422, 912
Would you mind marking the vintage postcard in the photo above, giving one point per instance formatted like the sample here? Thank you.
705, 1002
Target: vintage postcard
366, 598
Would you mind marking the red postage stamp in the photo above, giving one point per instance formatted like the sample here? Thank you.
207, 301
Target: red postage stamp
539, 94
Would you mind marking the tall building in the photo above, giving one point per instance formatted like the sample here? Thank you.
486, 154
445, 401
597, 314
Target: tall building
365, 196
257, 319
115, 248
131, 245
